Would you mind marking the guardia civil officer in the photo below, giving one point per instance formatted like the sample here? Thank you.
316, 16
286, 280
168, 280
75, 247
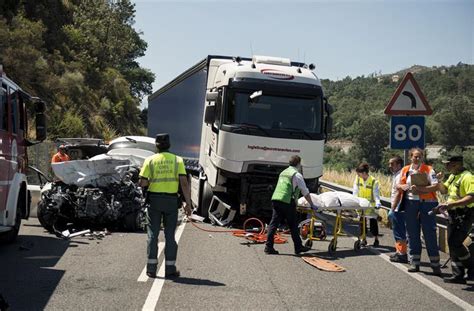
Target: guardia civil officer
163, 173
460, 206
290, 183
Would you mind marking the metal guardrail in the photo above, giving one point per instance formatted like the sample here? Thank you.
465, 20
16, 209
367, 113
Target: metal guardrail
441, 222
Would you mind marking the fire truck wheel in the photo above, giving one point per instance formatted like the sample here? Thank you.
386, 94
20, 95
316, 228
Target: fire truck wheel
10, 236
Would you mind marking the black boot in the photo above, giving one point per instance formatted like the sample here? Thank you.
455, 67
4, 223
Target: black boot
437, 271
270, 251
171, 272
302, 249
399, 258
470, 274
455, 279
414, 268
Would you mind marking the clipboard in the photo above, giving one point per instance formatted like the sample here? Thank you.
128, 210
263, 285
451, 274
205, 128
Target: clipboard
420, 179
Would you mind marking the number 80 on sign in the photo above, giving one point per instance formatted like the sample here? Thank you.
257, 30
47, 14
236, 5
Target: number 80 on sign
407, 132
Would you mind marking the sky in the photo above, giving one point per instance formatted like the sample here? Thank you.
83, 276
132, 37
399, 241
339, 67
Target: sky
342, 38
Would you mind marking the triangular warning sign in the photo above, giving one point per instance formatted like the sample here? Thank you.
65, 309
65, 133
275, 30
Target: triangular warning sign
408, 99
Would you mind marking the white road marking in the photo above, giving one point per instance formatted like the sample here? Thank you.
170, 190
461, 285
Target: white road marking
143, 277
438, 289
158, 282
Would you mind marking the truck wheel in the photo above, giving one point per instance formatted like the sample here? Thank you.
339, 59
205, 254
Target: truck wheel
10, 236
206, 198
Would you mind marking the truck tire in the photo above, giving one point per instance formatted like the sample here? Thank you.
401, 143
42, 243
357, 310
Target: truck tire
10, 236
205, 200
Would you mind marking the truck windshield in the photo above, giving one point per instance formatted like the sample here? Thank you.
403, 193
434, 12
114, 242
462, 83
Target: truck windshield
276, 116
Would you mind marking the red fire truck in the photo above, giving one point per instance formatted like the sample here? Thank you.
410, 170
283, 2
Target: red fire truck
14, 196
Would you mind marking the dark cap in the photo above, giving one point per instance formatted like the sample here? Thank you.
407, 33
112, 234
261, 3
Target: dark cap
453, 159
162, 138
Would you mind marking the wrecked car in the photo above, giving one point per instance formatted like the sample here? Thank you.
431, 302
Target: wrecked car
99, 192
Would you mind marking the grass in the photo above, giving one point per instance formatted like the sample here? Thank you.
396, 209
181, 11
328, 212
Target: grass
347, 179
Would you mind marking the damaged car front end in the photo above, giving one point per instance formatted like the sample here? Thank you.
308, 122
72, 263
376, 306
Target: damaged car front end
99, 192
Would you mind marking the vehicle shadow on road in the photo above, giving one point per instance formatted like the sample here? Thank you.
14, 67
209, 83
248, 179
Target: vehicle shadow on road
200, 282
28, 278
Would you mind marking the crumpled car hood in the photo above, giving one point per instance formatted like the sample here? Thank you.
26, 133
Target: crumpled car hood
97, 172
101, 170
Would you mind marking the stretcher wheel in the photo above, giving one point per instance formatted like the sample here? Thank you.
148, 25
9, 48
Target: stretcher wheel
332, 246
308, 243
357, 245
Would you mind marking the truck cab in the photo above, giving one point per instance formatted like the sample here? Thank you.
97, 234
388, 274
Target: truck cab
244, 118
258, 113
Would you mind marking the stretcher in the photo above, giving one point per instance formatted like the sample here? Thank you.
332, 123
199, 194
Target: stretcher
314, 229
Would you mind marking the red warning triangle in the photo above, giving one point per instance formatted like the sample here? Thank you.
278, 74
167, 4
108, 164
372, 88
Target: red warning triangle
408, 99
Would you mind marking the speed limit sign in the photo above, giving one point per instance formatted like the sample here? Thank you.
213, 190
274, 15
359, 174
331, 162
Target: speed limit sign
407, 132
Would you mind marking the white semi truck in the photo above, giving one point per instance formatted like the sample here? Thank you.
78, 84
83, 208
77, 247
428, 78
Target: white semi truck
236, 121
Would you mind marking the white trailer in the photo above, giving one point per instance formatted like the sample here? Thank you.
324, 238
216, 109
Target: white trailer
236, 121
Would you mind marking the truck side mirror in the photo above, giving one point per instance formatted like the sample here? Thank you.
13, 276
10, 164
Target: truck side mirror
328, 122
210, 114
40, 121
211, 96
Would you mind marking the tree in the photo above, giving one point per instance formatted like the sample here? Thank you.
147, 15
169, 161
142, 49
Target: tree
372, 138
80, 57
455, 122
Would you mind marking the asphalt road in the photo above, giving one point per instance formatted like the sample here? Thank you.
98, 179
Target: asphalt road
218, 272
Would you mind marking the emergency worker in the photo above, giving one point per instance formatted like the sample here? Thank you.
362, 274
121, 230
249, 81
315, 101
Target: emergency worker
460, 207
396, 215
418, 201
367, 187
61, 155
290, 184
163, 173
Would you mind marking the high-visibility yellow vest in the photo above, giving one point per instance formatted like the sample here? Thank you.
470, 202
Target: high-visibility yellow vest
455, 187
284, 190
366, 191
163, 172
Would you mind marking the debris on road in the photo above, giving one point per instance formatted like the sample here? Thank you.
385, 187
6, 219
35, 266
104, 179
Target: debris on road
323, 264
68, 235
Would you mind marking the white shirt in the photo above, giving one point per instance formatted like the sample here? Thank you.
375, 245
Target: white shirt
395, 181
431, 178
298, 181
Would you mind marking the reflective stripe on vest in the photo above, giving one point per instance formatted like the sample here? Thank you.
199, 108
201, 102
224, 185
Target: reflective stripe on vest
284, 188
366, 191
164, 173
423, 169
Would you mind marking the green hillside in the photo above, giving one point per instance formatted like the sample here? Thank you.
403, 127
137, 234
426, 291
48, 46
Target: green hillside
359, 105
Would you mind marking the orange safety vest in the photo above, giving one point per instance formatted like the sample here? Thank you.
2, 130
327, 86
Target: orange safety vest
423, 169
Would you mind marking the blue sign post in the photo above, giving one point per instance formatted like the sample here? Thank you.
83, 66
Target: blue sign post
407, 132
